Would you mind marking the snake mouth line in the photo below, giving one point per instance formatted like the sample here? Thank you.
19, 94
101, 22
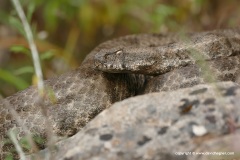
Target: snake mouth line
116, 67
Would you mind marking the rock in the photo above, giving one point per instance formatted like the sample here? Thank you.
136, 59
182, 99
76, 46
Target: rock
166, 125
226, 148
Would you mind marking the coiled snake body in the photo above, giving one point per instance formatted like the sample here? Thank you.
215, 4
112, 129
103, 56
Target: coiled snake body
118, 69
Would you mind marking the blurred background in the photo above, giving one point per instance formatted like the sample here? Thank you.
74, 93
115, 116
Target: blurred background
67, 30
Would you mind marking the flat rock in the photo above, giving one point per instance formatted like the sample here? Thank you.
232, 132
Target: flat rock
165, 125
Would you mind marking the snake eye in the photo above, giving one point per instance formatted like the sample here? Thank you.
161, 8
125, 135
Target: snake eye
118, 52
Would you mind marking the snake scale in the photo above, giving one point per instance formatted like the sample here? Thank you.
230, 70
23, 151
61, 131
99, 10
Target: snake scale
118, 69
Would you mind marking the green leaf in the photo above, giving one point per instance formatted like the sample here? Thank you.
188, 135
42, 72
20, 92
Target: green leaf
47, 55
20, 49
12, 79
24, 70
34, 29
24, 143
30, 9
16, 23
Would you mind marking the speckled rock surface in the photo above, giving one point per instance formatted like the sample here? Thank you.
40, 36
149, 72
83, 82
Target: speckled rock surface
159, 126
221, 148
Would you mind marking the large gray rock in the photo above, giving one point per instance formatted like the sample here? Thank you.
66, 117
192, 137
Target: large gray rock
224, 147
166, 125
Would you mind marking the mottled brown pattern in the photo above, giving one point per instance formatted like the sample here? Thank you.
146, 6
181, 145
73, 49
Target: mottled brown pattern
168, 54
84, 92
154, 127
221, 69
80, 95
178, 61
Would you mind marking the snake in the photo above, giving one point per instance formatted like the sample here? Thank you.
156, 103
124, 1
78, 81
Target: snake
115, 70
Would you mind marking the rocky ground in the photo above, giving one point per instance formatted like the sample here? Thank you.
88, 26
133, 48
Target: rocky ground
182, 124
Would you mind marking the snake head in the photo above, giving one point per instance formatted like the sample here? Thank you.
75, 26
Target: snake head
121, 60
